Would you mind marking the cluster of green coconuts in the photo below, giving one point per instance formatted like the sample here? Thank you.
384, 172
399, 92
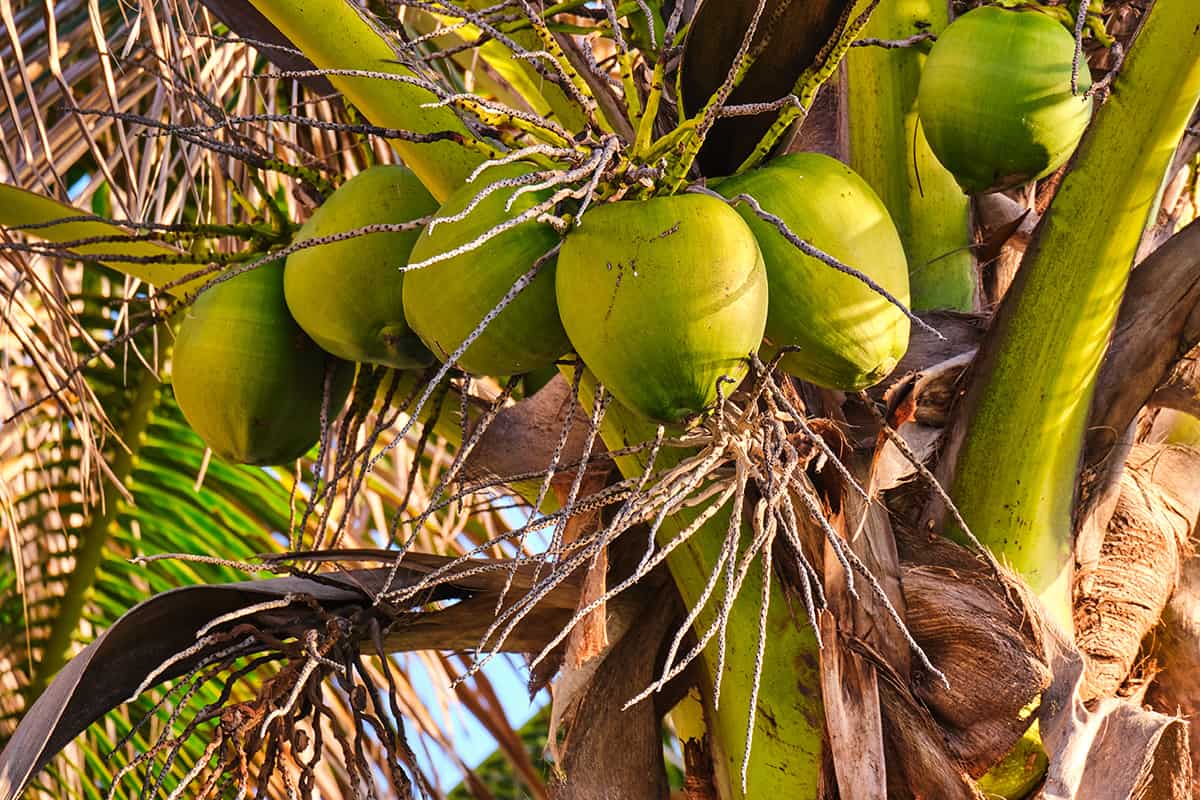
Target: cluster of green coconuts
660, 298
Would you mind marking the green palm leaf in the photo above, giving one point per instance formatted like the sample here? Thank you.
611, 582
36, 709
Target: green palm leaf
235, 513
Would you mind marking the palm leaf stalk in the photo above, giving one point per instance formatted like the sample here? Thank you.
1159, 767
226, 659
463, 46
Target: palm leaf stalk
335, 36
45, 218
1015, 474
1017, 496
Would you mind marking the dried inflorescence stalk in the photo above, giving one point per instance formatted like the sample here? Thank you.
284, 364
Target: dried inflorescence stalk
281, 731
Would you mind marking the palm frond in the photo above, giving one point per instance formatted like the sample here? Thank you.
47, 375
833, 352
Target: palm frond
69, 575
100, 466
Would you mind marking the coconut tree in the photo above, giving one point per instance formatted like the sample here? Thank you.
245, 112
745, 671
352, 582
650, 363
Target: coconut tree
804, 382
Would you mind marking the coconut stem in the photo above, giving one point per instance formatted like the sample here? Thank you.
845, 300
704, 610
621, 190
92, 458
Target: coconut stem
889, 150
519, 76
692, 133
789, 725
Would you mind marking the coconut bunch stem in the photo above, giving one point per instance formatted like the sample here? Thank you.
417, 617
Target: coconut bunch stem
744, 451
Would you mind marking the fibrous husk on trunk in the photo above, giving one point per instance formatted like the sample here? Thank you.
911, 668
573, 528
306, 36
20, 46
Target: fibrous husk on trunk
1120, 597
1113, 750
999, 652
1176, 686
920, 763
978, 625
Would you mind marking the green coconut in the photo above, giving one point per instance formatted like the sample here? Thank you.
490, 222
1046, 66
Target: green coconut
849, 336
661, 298
348, 295
446, 301
533, 382
249, 381
995, 98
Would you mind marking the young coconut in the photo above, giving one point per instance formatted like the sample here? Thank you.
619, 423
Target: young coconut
995, 98
849, 336
661, 298
445, 301
348, 295
534, 381
249, 381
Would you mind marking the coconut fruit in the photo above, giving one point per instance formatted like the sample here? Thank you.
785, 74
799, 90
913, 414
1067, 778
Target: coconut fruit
533, 382
995, 98
348, 295
249, 381
849, 336
445, 301
661, 298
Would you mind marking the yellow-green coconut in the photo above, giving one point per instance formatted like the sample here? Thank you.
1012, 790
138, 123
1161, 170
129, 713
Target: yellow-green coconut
249, 381
445, 301
848, 336
995, 98
348, 295
661, 298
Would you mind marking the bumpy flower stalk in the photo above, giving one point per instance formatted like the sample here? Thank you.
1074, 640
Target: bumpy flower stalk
810, 81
